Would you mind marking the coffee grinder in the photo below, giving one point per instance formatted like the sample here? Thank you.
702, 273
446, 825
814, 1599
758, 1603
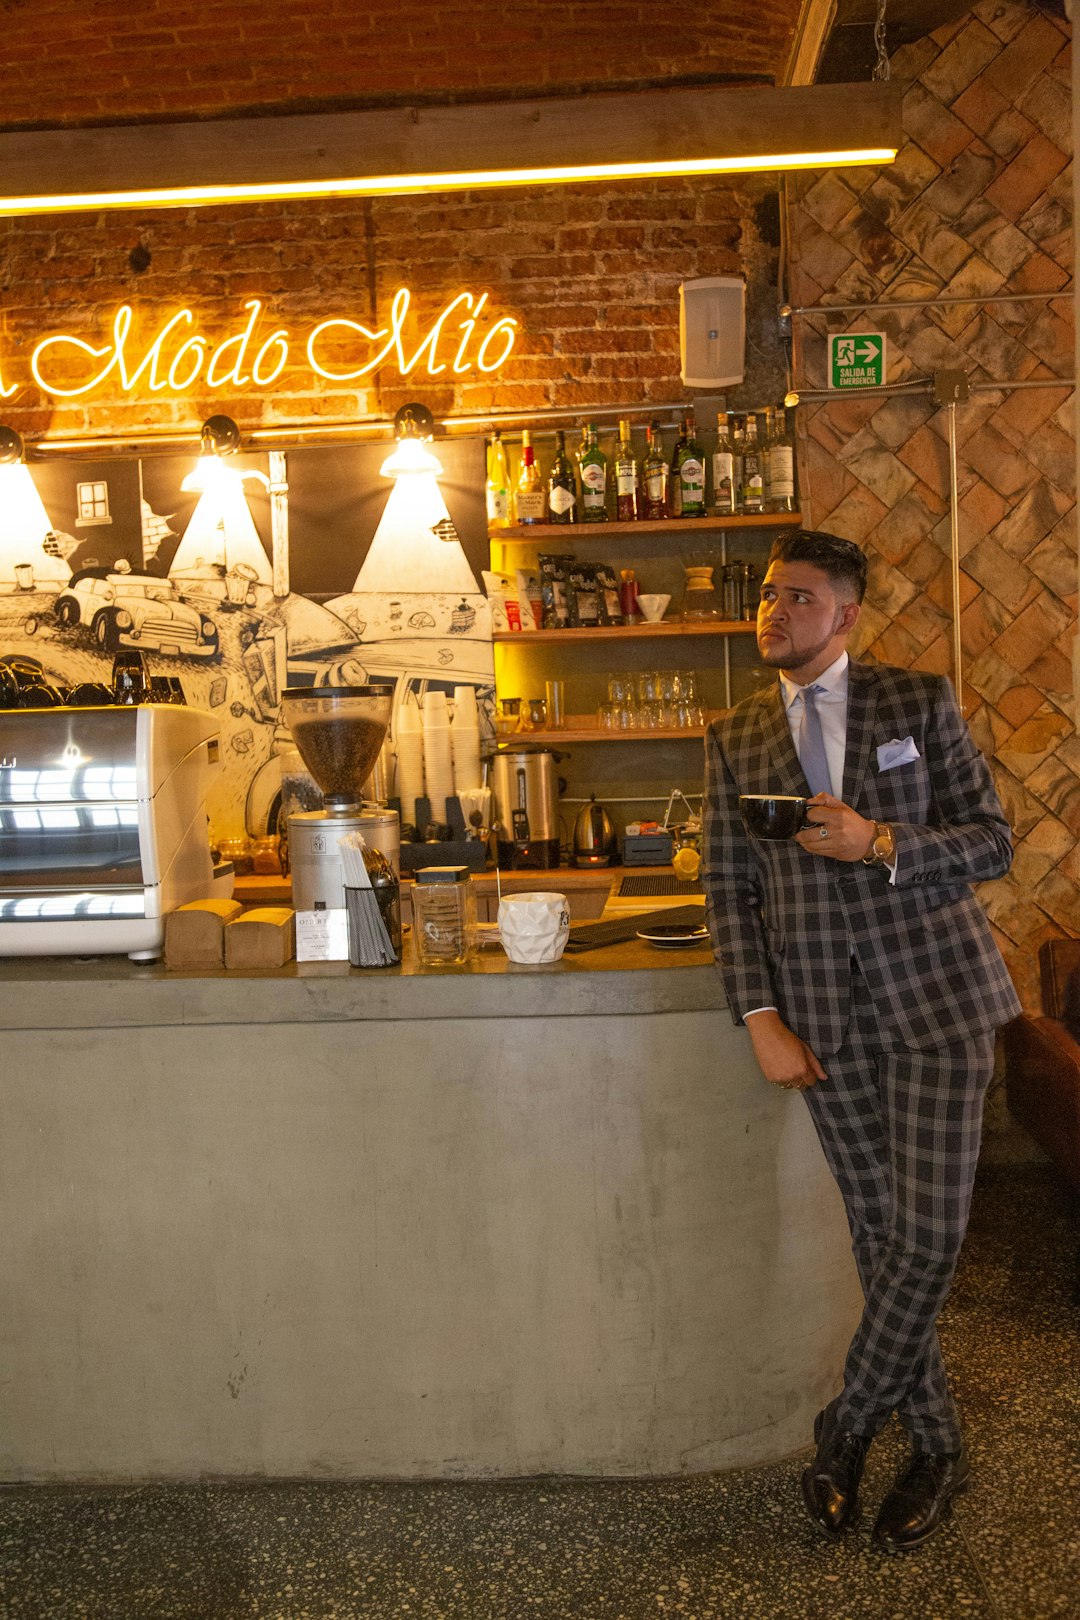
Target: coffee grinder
338, 732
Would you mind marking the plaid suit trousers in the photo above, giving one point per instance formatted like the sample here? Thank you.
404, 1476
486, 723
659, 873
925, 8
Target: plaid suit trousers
900, 1130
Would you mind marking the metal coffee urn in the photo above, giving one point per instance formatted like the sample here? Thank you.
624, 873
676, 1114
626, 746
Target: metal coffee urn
525, 791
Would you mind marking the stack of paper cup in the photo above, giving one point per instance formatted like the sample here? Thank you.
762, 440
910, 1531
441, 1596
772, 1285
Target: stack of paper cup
410, 760
465, 739
438, 753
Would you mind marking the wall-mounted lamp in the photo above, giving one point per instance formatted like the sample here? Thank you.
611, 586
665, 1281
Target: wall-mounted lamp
613, 135
12, 449
414, 427
220, 437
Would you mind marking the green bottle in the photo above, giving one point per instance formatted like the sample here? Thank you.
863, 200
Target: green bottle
593, 479
691, 475
674, 486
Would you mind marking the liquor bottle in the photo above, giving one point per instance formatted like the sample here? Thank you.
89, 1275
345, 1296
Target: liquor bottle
593, 479
626, 477
753, 473
498, 484
562, 485
674, 486
529, 495
655, 480
691, 475
725, 488
782, 464
765, 438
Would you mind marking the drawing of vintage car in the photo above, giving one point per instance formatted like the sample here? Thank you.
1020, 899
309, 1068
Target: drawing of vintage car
135, 610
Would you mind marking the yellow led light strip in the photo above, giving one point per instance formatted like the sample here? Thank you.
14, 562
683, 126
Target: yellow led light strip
402, 184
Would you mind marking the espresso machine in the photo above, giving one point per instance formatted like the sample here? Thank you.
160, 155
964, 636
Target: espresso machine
338, 732
103, 826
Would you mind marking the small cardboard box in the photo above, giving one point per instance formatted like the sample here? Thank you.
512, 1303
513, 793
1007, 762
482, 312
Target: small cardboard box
264, 937
195, 933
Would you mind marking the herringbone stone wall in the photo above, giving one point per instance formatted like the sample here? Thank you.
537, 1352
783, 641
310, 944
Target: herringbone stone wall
977, 204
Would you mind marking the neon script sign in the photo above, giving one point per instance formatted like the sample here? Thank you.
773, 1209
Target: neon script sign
177, 356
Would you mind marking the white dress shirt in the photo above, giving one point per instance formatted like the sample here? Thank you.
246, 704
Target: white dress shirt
830, 700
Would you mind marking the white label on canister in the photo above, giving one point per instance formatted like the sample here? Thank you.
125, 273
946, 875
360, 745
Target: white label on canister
560, 500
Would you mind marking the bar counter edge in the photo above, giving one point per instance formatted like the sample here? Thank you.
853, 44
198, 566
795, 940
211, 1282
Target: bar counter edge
106, 992
330, 1224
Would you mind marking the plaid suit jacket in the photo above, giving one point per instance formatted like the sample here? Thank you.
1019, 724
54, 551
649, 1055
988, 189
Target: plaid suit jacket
786, 924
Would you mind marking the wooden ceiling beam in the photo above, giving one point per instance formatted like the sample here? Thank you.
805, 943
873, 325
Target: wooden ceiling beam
435, 148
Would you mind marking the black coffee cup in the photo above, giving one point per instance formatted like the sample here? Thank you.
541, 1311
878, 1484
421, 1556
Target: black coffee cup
772, 815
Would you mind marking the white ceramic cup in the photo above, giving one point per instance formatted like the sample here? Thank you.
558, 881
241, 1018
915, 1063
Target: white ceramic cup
653, 608
534, 927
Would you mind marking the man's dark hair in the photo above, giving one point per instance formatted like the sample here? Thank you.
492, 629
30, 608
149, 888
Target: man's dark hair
842, 560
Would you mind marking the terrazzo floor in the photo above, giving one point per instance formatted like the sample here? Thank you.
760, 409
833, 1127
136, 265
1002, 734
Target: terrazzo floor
722, 1547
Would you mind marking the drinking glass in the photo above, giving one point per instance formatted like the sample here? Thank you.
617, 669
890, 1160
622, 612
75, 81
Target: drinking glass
555, 698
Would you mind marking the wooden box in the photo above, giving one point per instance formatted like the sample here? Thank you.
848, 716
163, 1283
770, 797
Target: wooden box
195, 933
262, 938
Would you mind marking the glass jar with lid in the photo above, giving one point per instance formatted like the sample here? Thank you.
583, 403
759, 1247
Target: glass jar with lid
444, 916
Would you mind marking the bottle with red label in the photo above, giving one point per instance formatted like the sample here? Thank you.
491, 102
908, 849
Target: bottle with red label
529, 495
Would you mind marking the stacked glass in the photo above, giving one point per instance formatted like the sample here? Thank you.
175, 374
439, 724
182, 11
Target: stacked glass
654, 700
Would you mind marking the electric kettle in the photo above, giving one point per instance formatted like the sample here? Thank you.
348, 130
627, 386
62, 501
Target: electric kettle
595, 843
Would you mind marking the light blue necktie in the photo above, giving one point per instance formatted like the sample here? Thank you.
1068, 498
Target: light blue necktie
812, 755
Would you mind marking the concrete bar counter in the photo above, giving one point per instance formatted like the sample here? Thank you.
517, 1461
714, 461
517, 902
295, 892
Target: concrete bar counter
327, 1223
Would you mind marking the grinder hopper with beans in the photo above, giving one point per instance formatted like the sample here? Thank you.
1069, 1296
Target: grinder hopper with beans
338, 732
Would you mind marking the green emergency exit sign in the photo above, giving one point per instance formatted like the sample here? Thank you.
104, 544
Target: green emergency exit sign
856, 360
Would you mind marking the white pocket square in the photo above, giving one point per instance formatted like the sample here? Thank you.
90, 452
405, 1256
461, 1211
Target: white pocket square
900, 751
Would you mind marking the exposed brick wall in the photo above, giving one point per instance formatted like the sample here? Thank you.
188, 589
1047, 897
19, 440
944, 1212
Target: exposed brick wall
105, 60
979, 202
591, 274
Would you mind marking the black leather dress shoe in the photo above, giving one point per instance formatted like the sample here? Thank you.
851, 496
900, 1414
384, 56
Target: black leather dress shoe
921, 1500
830, 1486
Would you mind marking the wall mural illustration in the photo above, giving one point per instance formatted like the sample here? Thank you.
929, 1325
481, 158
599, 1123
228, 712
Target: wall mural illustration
247, 575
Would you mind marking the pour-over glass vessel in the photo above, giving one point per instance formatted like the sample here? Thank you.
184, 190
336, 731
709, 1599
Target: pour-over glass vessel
700, 599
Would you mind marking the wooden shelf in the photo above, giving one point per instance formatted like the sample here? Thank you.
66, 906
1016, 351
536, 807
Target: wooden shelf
627, 632
598, 531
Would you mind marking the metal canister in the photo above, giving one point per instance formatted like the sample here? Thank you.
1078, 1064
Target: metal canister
315, 858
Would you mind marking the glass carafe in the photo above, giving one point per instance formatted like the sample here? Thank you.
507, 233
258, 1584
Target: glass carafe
700, 599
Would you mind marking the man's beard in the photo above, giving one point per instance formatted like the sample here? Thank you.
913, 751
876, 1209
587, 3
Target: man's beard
797, 657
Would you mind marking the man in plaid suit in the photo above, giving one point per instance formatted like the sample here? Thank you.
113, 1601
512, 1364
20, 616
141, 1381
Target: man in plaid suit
867, 978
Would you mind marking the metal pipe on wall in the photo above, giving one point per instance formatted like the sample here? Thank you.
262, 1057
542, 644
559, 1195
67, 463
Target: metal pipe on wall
954, 551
